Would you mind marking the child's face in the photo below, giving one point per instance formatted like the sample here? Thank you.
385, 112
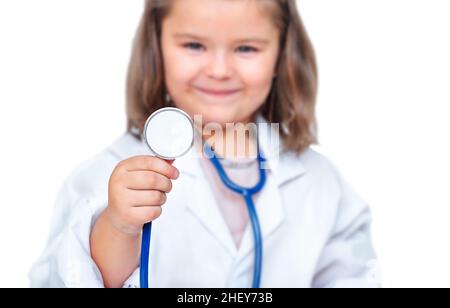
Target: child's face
233, 46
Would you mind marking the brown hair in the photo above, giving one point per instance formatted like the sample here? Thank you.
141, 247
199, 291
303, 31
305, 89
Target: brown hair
291, 101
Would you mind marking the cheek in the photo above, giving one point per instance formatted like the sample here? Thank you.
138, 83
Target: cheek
179, 70
258, 74
258, 78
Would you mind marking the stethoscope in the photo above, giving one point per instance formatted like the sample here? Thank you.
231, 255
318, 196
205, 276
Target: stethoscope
176, 125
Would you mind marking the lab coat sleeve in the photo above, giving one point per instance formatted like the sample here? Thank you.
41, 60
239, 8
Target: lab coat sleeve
134, 281
66, 261
348, 259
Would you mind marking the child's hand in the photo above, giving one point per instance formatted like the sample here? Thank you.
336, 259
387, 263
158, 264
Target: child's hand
137, 191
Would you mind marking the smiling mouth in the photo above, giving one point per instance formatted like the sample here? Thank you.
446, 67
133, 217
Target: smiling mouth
218, 93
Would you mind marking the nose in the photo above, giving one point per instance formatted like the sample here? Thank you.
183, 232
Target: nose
219, 67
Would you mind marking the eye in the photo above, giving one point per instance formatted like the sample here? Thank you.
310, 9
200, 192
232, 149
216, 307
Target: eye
193, 46
247, 49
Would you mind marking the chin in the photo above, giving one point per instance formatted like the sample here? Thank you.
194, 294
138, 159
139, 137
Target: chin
216, 113
221, 117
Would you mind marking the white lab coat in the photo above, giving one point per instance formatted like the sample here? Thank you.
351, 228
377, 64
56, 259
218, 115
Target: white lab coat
316, 230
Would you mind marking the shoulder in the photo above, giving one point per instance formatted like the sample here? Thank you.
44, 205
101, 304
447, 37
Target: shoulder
317, 174
317, 164
91, 177
326, 178
311, 166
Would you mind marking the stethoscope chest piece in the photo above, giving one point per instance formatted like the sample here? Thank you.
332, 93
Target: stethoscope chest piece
169, 133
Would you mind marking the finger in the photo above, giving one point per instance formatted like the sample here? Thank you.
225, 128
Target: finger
151, 163
146, 214
143, 198
147, 180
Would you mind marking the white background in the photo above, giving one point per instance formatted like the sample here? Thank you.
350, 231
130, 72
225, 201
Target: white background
383, 112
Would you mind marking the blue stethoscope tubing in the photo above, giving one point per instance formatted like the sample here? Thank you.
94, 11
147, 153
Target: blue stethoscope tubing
246, 193
145, 255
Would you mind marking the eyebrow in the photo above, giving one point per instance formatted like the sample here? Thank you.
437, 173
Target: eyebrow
243, 40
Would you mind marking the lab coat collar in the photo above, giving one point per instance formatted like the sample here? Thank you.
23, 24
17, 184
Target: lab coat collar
268, 203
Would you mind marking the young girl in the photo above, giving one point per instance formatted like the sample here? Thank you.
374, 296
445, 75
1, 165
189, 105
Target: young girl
241, 61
